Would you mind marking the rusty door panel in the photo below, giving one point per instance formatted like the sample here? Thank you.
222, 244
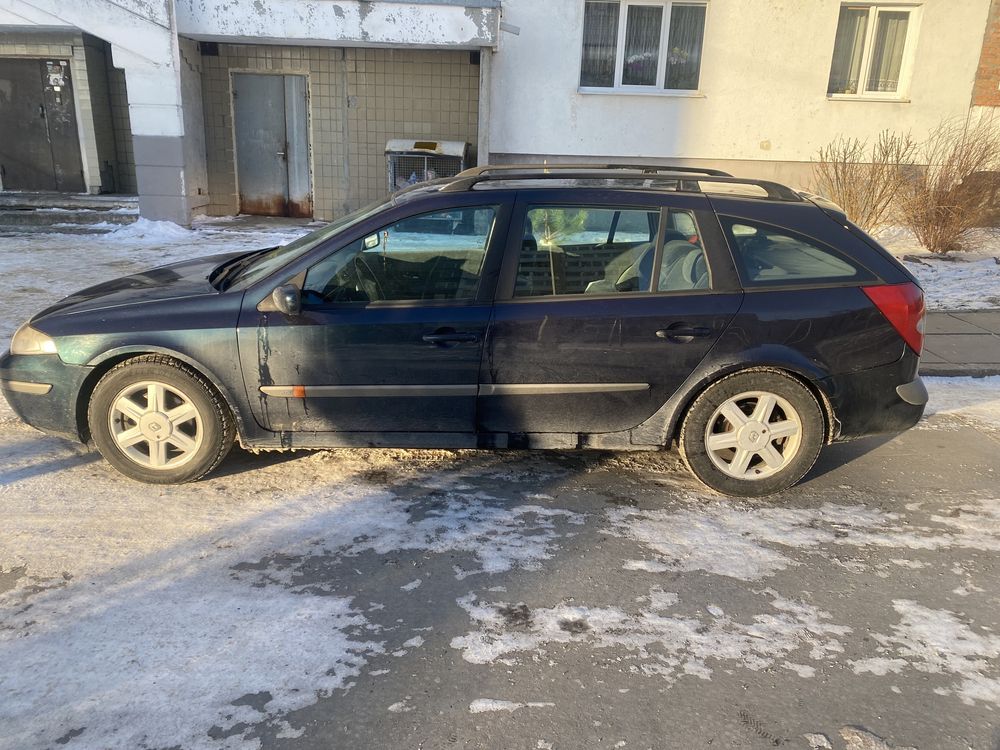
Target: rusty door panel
39, 143
272, 159
297, 151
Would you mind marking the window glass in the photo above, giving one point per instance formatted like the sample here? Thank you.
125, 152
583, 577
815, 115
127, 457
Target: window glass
644, 57
642, 45
687, 34
683, 266
887, 55
768, 255
848, 51
600, 39
434, 256
586, 250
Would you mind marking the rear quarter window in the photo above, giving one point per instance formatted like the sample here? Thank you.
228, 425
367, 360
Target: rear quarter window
767, 255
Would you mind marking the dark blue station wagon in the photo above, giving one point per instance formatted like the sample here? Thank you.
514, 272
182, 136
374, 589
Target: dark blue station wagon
604, 307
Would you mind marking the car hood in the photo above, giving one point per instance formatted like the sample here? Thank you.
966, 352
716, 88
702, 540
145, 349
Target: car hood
178, 280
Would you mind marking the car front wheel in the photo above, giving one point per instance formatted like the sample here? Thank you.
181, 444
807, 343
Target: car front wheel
753, 433
156, 420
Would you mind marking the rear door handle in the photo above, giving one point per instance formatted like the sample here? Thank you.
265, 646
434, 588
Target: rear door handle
454, 337
682, 333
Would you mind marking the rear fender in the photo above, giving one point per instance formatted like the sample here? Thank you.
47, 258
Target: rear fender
663, 426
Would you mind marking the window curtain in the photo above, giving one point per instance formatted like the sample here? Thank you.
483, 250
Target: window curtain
887, 55
687, 36
642, 45
848, 50
600, 42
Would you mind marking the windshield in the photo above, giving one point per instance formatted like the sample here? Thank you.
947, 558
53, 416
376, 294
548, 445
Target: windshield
267, 262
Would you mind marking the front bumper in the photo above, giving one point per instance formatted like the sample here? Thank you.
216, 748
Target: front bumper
44, 391
883, 400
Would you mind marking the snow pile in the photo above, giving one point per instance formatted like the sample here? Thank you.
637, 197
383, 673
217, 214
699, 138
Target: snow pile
666, 646
148, 231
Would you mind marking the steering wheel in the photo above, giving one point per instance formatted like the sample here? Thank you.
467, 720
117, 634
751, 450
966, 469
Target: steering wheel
367, 277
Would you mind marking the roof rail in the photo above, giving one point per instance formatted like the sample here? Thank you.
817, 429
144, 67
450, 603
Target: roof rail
689, 179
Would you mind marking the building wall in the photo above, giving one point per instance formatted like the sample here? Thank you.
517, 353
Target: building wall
124, 155
762, 99
359, 99
105, 151
196, 170
987, 89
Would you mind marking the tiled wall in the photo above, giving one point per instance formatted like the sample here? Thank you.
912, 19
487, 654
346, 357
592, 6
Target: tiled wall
123, 130
359, 99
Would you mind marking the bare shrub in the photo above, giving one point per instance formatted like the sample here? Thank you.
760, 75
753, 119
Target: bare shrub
959, 189
865, 182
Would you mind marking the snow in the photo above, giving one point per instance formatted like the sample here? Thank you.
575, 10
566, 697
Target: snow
668, 647
142, 617
730, 539
975, 399
484, 705
964, 280
38, 269
936, 641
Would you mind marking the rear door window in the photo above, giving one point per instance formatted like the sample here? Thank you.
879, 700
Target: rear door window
767, 255
589, 250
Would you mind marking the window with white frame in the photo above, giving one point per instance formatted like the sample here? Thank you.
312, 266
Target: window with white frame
651, 45
870, 51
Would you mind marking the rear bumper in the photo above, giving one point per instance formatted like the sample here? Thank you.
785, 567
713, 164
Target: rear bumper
884, 400
43, 391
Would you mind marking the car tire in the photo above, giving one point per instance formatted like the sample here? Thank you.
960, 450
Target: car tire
753, 433
158, 421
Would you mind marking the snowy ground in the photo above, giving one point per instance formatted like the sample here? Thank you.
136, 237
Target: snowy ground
965, 280
382, 599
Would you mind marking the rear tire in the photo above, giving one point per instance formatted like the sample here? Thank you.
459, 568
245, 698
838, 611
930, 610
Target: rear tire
753, 433
158, 421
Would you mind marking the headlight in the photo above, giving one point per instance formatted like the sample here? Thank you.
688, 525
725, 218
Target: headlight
29, 341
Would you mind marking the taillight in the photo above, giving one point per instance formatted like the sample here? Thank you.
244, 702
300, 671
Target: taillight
903, 306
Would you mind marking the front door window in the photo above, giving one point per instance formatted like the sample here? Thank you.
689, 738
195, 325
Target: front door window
433, 256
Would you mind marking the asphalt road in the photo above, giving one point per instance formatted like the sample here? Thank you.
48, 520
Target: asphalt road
483, 600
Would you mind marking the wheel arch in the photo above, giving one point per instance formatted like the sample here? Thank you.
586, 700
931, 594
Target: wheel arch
808, 376
105, 361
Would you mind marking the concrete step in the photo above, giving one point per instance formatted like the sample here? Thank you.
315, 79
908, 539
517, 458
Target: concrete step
71, 201
57, 217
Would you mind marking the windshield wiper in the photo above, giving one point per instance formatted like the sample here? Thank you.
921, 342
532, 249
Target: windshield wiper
225, 274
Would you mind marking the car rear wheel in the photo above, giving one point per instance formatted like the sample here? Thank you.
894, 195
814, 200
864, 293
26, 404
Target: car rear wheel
158, 421
753, 433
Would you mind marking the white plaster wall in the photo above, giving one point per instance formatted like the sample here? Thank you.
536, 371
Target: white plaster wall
343, 22
763, 85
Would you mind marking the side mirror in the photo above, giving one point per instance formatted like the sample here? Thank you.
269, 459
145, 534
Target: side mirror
287, 299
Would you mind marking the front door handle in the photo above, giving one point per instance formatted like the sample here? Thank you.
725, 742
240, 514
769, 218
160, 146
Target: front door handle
682, 333
450, 337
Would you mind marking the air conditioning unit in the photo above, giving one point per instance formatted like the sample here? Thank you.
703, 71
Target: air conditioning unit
409, 161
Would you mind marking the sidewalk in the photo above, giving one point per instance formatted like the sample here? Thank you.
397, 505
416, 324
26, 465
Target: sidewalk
962, 343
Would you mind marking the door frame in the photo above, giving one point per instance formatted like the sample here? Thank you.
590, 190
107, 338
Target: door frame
303, 72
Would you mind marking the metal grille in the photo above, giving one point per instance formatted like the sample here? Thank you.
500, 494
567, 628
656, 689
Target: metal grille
409, 169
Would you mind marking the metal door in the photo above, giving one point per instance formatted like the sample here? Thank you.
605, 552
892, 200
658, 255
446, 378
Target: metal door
272, 146
39, 143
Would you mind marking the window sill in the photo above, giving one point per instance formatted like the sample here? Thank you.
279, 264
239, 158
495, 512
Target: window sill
855, 98
674, 94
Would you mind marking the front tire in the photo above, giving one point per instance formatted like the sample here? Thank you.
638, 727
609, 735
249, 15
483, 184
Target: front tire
158, 421
753, 433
